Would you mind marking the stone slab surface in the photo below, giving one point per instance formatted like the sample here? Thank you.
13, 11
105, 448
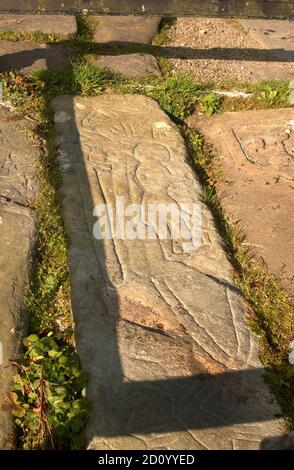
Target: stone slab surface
161, 331
126, 29
17, 235
256, 152
18, 180
276, 35
29, 56
18, 186
58, 25
120, 30
130, 65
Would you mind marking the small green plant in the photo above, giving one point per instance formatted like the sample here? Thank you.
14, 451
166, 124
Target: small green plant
161, 37
89, 79
210, 103
17, 88
273, 93
47, 400
208, 195
78, 77
34, 36
86, 28
177, 95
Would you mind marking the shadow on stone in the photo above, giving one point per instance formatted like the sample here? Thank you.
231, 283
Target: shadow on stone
29, 56
223, 53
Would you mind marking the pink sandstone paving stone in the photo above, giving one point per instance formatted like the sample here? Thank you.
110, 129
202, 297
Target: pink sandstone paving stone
256, 152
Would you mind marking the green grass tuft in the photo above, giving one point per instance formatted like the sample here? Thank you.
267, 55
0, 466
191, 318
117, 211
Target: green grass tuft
86, 28
210, 104
176, 94
162, 37
78, 77
272, 94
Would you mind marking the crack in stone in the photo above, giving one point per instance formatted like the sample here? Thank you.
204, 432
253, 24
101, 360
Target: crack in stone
6, 200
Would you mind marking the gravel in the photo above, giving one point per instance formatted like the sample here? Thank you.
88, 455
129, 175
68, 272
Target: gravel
192, 44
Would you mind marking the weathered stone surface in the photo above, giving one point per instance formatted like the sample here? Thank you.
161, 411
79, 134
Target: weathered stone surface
255, 150
29, 56
130, 65
18, 163
285, 442
161, 331
58, 25
120, 30
17, 234
126, 29
275, 35
18, 186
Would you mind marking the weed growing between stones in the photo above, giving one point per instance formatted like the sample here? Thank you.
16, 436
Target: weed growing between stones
272, 94
86, 28
263, 95
78, 77
34, 36
176, 94
162, 37
210, 104
47, 399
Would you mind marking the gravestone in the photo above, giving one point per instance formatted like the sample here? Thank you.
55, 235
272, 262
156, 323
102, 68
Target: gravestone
160, 328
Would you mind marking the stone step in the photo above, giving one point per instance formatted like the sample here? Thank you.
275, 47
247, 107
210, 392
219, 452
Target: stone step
256, 152
160, 325
117, 30
122, 31
18, 186
62, 26
130, 65
27, 56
